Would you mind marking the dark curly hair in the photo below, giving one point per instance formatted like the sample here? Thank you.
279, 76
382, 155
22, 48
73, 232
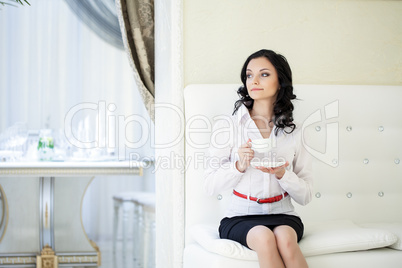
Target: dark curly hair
283, 106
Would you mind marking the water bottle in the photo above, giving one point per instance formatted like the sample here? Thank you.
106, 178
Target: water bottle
45, 145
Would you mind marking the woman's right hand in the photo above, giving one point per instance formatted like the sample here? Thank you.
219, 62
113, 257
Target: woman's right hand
245, 155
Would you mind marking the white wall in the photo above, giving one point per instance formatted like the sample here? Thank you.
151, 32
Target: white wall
325, 42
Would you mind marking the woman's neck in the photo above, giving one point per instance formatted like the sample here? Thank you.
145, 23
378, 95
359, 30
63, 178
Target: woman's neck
263, 108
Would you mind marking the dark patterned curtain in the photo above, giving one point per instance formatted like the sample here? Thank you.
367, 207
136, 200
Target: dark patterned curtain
136, 19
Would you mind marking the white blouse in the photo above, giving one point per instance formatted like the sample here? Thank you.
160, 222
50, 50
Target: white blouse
228, 134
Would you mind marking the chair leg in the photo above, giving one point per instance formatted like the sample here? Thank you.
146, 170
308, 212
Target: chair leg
149, 239
126, 210
140, 237
115, 224
136, 235
151, 248
146, 240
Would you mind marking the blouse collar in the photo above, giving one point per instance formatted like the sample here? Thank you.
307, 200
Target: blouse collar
243, 113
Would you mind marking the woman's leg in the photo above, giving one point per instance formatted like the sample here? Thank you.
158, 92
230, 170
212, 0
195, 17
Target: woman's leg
286, 239
262, 240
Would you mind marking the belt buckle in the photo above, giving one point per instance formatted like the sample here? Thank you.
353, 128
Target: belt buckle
258, 201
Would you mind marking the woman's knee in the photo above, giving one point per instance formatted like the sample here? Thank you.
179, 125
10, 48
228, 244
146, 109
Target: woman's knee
260, 238
286, 239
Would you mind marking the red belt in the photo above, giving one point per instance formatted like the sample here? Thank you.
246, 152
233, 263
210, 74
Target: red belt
261, 201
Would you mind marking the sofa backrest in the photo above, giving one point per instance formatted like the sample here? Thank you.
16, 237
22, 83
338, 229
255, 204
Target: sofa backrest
355, 138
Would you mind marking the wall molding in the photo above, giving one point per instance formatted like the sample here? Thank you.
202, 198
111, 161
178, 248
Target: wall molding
169, 84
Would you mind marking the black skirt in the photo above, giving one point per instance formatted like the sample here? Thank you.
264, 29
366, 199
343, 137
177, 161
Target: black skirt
237, 228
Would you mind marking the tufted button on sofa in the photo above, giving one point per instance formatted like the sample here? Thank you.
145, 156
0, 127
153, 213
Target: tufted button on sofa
354, 134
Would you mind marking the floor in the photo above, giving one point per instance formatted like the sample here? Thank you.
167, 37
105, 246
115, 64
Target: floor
118, 260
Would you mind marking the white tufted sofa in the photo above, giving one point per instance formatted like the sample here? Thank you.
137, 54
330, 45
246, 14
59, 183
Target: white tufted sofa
355, 137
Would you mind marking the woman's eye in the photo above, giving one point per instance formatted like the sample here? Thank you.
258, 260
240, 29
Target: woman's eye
265, 75
248, 75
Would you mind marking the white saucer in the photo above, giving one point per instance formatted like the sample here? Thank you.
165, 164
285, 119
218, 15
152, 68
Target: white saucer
267, 164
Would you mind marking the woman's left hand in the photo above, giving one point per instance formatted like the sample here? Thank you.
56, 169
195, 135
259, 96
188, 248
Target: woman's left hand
278, 171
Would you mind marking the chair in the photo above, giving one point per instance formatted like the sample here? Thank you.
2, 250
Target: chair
142, 207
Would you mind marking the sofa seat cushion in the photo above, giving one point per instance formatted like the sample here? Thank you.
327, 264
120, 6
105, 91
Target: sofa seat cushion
342, 236
395, 228
207, 236
195, 256
319, 238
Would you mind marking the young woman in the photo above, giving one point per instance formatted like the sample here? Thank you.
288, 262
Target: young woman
261, 215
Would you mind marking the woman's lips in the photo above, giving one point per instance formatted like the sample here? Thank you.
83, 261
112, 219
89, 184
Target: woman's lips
255, 89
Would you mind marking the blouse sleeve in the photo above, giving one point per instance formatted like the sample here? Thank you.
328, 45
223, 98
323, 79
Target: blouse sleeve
221, 172
299, 182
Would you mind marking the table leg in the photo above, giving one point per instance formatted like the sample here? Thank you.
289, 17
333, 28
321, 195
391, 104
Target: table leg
46, 205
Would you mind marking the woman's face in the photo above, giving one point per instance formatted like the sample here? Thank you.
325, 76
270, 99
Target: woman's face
262, 79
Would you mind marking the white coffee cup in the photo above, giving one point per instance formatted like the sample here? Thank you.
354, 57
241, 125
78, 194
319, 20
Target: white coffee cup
261, 145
